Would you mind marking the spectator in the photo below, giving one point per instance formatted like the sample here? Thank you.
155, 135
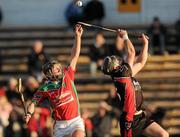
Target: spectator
15, 122
34, 134
38, 120
5, 110
12, 93
94, 12
97, 52
118, 49
157, 32
31, 86
102, 121
2, 91
47, 130
177, 28
37, 59
16, 126
87, 122
73, 13
113, 101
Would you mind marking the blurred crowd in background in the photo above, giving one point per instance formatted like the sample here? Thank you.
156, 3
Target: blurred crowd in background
12, 113
98, 125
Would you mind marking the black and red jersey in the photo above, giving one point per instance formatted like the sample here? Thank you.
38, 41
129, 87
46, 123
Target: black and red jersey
130, 96
125, 72
125, 90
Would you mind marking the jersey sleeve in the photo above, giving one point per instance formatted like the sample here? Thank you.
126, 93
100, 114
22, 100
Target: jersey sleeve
71, 72
38, 97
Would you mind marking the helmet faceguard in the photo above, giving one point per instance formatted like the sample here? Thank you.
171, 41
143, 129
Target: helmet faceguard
48, 70
111, 64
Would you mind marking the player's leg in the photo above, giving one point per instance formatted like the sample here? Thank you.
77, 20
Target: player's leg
78, 133
61, 129
155, 130
77, 128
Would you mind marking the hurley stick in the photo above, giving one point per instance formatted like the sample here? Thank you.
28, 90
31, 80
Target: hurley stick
22, 97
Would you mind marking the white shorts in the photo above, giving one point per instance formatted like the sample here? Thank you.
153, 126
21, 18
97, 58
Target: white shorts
67, 127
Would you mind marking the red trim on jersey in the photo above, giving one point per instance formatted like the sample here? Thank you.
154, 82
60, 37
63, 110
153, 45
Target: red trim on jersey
129, 101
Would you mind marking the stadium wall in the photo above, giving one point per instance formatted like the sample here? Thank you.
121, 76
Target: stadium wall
51, 12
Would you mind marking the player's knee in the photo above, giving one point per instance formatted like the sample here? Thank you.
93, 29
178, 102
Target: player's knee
164, 134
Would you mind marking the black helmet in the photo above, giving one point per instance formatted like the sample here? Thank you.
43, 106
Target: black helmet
47, 70
111, 64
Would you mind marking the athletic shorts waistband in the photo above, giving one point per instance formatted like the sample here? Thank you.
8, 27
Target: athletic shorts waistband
67, 121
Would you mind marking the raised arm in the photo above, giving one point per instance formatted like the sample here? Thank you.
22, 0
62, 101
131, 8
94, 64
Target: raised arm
77, 46
142, 58
129, 48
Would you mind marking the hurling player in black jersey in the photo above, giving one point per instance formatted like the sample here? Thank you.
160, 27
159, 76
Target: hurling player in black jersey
134, 120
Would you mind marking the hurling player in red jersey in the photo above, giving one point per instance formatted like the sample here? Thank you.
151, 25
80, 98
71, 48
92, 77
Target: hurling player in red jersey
60, 91
134, 120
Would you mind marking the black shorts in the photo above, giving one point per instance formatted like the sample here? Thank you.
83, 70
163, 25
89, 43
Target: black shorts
140, 122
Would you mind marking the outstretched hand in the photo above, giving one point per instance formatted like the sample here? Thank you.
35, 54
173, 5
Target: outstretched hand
144, 39
78, 30
27, 118
122, 32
